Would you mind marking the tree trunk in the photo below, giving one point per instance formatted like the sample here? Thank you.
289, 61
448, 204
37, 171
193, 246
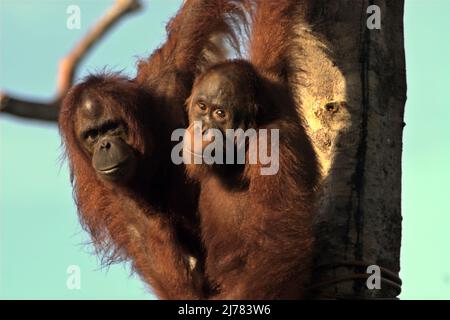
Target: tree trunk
352, 92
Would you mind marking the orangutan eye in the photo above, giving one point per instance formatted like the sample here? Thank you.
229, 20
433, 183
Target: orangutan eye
110, 126
220, 113
90, 135
202, 106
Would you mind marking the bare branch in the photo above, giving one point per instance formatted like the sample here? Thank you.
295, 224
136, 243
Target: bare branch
69, 63
67, 67
29, 109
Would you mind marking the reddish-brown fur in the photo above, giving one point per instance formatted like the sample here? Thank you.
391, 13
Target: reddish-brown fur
257, 229
152, 220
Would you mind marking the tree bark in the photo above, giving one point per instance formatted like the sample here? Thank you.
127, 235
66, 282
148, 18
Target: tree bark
352, 92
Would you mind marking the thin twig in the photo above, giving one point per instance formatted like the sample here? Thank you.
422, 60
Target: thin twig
49, 110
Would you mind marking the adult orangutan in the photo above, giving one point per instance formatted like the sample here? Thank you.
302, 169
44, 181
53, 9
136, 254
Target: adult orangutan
133, 201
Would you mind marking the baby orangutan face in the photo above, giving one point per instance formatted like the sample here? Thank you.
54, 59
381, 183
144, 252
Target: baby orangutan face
222, 99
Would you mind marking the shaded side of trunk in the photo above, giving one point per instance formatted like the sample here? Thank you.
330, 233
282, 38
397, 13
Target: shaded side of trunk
352, 92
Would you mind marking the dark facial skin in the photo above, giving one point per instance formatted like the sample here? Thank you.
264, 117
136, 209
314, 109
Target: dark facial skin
103, 136
223, 99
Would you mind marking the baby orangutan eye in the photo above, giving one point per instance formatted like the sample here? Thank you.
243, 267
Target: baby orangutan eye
202, 106
220, 113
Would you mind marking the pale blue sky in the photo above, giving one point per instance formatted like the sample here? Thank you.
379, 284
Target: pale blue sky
39, 232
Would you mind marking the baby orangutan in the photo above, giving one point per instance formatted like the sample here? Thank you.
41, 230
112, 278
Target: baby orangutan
256, 227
